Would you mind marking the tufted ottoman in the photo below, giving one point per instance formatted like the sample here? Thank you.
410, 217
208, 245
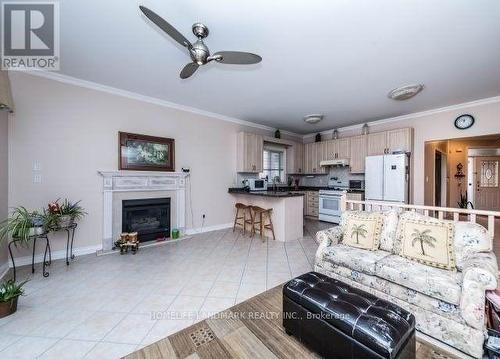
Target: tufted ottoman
340, 321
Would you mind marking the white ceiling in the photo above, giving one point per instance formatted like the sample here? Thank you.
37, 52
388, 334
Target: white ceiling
336, 57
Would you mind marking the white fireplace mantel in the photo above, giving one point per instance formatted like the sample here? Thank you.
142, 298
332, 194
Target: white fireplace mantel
141, 181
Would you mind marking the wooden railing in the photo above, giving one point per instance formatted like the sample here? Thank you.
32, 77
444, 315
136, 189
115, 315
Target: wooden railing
455, 214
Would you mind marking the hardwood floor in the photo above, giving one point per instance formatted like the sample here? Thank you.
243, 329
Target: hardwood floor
251, 329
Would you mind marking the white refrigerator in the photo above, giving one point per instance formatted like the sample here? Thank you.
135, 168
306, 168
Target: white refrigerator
386, 178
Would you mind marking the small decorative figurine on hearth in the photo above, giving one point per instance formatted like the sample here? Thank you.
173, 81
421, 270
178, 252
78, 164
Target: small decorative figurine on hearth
126, 241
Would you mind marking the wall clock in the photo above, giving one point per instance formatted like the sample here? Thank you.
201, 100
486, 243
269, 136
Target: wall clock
464, 122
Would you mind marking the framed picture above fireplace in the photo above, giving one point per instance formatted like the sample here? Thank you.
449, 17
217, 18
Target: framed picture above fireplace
146, 153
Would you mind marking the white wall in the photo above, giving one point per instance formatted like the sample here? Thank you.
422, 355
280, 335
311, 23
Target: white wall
73, 132
437, 125
4, 183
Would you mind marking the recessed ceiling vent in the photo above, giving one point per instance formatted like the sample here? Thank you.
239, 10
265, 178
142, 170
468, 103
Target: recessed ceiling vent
312, 119
405, 92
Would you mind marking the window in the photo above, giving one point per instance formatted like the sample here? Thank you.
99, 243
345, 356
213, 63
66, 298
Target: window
274, 165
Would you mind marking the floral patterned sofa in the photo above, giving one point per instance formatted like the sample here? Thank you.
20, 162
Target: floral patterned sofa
448, 305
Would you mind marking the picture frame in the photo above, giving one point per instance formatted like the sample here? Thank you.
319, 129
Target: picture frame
138, 152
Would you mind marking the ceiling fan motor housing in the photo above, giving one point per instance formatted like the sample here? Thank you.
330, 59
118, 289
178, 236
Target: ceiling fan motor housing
199, 52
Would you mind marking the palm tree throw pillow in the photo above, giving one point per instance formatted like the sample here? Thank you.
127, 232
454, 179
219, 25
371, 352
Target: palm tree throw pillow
427, 242
363, 230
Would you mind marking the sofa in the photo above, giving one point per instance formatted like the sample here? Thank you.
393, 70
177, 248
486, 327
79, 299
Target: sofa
449, 305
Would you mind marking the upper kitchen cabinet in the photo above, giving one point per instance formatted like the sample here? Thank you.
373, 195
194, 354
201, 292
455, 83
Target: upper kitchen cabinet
249, 152
376, 143
358, 153
400, 140
339, 149
295, 159
380, 143
314, 153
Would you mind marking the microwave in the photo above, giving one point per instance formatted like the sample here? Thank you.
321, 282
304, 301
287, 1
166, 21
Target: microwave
357, 184
257, 184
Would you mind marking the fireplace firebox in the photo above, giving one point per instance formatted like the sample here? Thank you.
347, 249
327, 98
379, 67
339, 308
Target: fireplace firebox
150, 218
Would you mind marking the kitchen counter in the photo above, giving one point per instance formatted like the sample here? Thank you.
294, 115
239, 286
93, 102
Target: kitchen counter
287, 214
279, 193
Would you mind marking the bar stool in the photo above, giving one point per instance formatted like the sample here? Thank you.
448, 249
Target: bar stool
245, 209
261, 214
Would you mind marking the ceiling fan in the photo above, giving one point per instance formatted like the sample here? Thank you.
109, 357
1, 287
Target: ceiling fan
199, 52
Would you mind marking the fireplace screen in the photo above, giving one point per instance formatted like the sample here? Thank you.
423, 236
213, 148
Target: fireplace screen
150, 218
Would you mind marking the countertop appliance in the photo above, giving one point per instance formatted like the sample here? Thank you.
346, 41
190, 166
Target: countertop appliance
387, 177
256, 184
357, 184
329, 204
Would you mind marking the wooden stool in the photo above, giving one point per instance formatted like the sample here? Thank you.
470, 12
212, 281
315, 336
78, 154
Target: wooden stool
260, 214
245, 209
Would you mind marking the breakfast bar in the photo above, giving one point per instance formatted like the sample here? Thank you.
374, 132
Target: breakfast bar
287, 210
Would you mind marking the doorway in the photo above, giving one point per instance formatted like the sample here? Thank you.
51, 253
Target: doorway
440, 178
487, 191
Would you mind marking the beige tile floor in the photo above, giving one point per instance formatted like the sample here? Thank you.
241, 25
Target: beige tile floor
108, 306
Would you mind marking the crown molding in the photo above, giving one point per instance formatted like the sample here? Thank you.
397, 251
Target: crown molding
460, 106
149, 99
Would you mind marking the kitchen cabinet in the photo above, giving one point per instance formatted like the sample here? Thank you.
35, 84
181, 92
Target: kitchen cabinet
339, 149
385, 142
376, 143
358, 153
312, 204
295, 159
249, 152
314, 153
400, 140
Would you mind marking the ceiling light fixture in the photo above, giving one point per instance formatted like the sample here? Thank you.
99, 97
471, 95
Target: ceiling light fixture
312, 119
405, 92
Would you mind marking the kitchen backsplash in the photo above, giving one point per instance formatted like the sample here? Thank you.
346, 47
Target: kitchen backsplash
342, 173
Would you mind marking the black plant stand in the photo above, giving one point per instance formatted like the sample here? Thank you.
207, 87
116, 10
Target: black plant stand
70, 232
47, 251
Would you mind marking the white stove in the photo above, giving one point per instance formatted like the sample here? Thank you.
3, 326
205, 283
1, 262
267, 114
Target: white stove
330, 199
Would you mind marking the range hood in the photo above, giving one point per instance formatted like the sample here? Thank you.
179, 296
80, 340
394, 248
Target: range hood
336, 162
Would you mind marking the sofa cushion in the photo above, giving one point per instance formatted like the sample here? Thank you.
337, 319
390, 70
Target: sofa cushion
357, 259
434, 282
363, 230
469, 239
389, 227
427, 242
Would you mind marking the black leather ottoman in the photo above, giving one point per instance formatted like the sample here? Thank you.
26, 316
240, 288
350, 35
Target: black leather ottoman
339, 321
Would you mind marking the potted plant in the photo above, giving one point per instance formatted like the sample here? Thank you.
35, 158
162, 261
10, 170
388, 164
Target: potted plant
9, 292
67, 212
22, 224
464, 202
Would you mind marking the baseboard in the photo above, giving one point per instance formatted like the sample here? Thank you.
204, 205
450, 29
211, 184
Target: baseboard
217, 227
22, 261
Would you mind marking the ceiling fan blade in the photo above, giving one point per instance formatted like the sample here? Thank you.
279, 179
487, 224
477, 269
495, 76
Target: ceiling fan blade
237, 57
189, 70
165, 26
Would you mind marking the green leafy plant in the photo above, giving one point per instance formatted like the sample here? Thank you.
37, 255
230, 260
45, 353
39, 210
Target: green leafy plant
10, 290
464, 201
74, 210
19, 224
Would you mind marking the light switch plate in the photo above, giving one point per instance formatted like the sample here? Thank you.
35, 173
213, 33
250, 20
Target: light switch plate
37, 178
37, 166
